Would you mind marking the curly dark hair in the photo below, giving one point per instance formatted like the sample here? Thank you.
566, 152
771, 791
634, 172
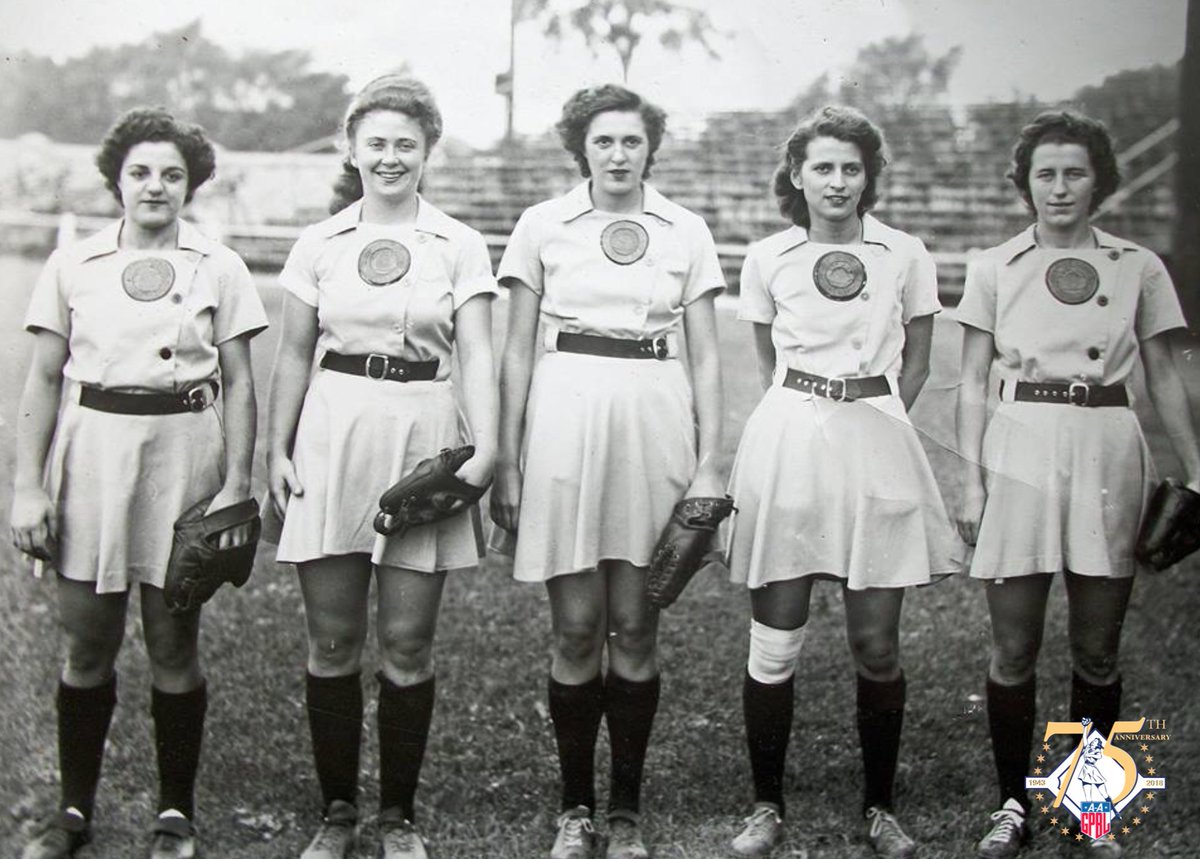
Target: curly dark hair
586, 104
155, 124
1065, 126
396, 92
842, 123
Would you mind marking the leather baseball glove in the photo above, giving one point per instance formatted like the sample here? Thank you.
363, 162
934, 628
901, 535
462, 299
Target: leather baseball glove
197, 566
429, 493
1171, 530
681, 548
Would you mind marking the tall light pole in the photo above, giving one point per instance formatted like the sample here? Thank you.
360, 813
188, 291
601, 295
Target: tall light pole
505, 80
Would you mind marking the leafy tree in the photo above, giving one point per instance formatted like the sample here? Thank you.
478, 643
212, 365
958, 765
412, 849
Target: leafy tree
897, 73
259, 100
622, 24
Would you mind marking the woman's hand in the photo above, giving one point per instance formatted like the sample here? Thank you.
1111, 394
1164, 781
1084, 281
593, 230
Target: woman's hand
477, 470
282, 482
34, 523
706, 484
970, 509
506, 497
227, 497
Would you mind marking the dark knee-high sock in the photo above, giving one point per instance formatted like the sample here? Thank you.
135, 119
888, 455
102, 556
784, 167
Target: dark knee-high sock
83, 719
404, 716
629, 706
767, 708
335, 714
1099, 703
1010, 720
880, 719
178, 733
576, 712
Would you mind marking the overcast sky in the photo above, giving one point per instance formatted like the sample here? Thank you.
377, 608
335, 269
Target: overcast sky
773, 48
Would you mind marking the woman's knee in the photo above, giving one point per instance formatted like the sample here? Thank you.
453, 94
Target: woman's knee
876, 653
1095, 662
91, 659
635, 638
407, 650
1014, 659
334, 650
578, 640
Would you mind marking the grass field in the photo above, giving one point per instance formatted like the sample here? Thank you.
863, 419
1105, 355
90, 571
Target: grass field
490, 780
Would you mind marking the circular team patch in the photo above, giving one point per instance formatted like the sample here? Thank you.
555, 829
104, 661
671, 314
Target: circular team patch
1072, 281
148, 279
383, 261
624, 242
839, 275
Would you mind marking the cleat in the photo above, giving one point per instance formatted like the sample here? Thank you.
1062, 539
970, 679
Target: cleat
398, 837
336, 835
576, 837
1008, 834
763, 830
625, 838
887, 838
61, 834
174, 837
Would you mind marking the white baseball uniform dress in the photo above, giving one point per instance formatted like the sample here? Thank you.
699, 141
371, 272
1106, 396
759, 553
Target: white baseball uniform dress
137, 321
1066, 484
837, 489
358, 435
610, 442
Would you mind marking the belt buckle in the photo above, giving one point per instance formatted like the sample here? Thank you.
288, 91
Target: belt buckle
839, 397
1082, 387
383, 372
196, 399
659, 348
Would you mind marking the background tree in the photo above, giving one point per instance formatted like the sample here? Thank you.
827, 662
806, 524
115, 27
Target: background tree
259, 100
622, 24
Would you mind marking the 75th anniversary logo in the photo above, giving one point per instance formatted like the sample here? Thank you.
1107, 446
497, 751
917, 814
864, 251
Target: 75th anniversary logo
1107, 784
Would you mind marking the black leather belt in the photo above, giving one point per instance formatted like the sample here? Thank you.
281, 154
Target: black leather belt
840, 389
1069, 393
194, 399
381, 367
613, 347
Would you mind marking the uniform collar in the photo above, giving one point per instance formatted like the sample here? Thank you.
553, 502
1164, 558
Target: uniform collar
430, 219
874, 233
1026, 240
578, 201
107, 240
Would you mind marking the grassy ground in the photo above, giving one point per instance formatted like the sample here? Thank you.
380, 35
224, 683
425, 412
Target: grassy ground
490, 781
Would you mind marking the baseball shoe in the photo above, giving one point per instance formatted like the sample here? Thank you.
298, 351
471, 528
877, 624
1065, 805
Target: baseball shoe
763, 830
174, 837
336, 835
576, 837
1008, 834
887, 838
398, 837
61, 834
625, 838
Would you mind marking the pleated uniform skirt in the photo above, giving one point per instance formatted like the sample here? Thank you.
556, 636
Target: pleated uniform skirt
837, 490
1066, 490
610, 446
356, 437
120, 482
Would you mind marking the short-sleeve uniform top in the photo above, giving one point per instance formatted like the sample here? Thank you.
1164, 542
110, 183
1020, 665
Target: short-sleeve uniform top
137, 321
838, 489
615, 437
390, 290
1066, 485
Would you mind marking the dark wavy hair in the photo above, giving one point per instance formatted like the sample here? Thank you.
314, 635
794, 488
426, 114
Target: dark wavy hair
841, 123
395, 92
153, 125
1065, 126
586, 104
